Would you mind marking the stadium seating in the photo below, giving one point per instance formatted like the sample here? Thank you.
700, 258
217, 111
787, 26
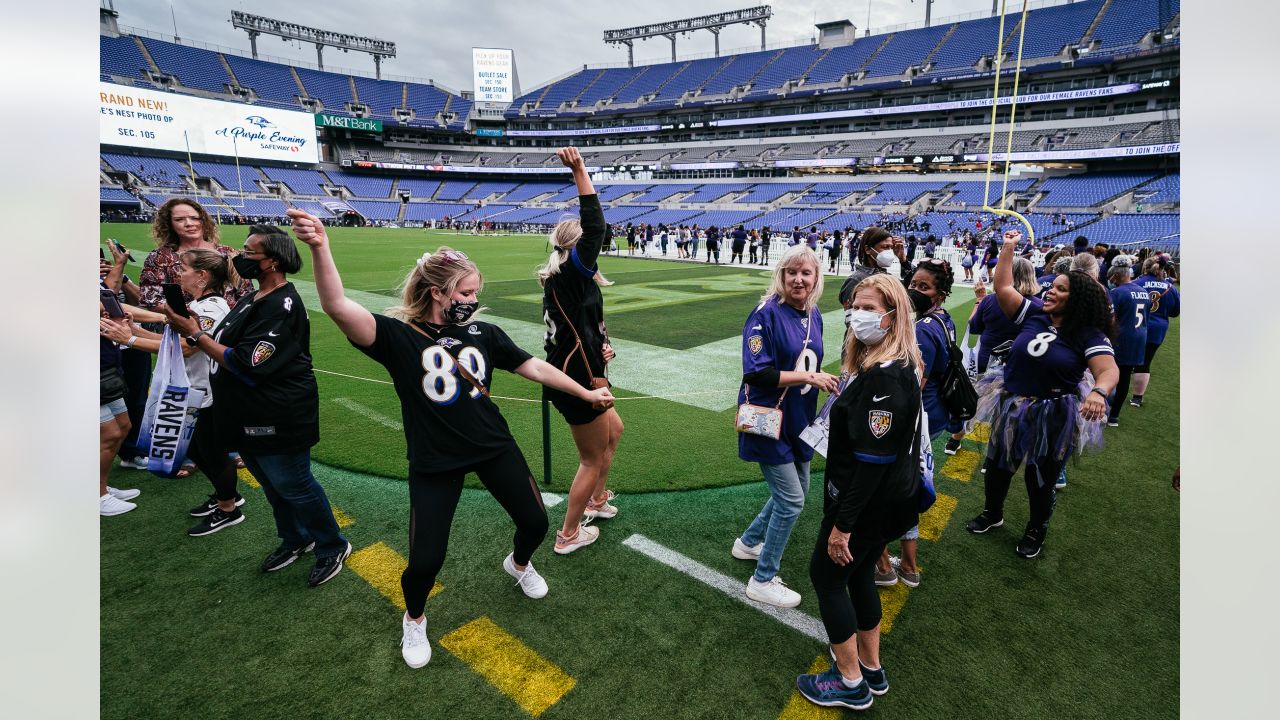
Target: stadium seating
272, 82
485, 189
423, 212
231, 177
151, 171
1088, 190
376, 209
663, 192
528, 191
213, 205
311, 206
382, 96
426, 101
971, 192
1133, 227
454, 189
903, 192
419, 187
739, 70
768, 192
906, 48
194, 67
121, 56
333, 91
304, 182
713, 192
369, 186
1166, 189
115, 195
1127, 21
607, 85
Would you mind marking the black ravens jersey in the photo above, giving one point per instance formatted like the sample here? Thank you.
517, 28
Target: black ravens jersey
267, 397
579, 296
448, 423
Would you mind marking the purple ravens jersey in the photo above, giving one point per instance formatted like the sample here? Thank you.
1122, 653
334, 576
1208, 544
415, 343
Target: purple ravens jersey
1164, 305
993, 328
780, 337
1044, 363
932, 333
1132, 306
1046, 282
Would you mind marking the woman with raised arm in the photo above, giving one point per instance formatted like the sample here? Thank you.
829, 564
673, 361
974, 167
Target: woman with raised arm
440, 361
1038, 413
577, 344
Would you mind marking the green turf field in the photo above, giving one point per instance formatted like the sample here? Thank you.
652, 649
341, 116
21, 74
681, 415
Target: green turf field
1089, 629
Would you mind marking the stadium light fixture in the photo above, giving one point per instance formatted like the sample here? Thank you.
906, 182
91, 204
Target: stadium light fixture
257, 25
713, 23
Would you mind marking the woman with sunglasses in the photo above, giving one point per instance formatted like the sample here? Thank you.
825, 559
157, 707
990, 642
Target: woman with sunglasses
441, 361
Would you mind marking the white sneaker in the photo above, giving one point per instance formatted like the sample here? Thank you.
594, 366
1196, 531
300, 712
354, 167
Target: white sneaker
135, 463
109, 505
743, 551
586, 535
603, 511
529, 581
414, 646
123, 494
774, 592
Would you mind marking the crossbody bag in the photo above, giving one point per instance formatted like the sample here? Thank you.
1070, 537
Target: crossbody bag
760, 419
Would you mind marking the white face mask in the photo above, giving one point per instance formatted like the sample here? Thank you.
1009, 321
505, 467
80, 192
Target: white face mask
865, 325
885, 259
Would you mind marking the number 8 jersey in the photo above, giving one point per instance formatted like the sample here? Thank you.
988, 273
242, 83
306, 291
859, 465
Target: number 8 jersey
448, 423
1044, 363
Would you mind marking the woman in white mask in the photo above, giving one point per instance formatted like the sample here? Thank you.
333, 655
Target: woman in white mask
875, 253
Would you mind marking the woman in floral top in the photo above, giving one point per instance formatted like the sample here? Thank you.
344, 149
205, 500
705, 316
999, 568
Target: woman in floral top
181, 224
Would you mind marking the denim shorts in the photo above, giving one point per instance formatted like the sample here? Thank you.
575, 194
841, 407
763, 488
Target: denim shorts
108, 412
913, 533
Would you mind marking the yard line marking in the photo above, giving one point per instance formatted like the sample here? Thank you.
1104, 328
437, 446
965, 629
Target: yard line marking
381, 567
368, 412
800, 709
981, 432
961, 465
551, 499
792, 618
934, 521
247, 478
891, 601
344, 520
523, 675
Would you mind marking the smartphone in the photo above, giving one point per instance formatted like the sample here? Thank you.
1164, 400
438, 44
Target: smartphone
111, 304
120, 248
174, 298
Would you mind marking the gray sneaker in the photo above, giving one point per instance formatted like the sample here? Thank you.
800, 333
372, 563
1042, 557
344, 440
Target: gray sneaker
910, 579
888, 579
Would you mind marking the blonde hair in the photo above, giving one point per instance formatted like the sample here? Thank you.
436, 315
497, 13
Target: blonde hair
221, 272
1024, 277
563, 238
1153, 267
794, 256
1086, 263
899, 345
443, 269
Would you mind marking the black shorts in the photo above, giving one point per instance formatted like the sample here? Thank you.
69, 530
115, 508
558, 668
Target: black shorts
574, 410
1145, 367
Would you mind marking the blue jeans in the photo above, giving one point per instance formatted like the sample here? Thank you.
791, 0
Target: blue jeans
788, 485
300, 507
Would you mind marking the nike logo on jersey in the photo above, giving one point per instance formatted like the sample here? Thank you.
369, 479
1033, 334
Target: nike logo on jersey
878, 398
757, 327
272, 333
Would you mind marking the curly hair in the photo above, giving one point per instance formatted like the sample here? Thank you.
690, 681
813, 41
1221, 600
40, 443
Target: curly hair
943, 275
1088, 307
162, 224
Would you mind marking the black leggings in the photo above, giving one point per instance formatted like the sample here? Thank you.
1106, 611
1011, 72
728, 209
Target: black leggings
1121, 394
433, 498
1145, 367
210, 456
847, 596
1042, 495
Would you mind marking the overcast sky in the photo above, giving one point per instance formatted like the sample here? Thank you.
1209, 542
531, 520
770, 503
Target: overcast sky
550, 37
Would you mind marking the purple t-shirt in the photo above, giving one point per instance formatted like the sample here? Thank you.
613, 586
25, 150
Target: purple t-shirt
1044, 363
993, 328
1132, 306
778, 336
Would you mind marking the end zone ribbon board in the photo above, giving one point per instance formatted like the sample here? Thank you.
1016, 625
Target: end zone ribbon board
153, 120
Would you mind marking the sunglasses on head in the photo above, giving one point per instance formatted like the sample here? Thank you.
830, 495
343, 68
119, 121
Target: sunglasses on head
452, 255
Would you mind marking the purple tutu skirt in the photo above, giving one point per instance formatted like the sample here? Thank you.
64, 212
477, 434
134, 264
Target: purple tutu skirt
1024, 429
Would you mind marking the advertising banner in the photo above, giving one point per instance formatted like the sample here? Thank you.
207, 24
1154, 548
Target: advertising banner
372, 125
492, 70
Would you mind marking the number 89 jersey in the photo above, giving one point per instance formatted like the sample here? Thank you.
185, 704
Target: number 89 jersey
777, 336
448, 423
1043, 363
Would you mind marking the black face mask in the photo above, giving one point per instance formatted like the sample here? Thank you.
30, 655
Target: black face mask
921, 302
247, 268
460, 312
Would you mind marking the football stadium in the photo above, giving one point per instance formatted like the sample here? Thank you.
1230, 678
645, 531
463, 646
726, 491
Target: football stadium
1042, 135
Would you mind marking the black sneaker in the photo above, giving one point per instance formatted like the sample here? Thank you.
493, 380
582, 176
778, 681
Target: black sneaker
1136, 401
983, 523
215, 521
283, 557
953, 447
1029, 545
328, 567
210, 505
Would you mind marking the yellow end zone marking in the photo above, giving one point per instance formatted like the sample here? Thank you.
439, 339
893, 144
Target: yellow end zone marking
961, 465
933, 522
800, 709
891, 601
381, 567
526, 677
981, 432
343, 519
246, 477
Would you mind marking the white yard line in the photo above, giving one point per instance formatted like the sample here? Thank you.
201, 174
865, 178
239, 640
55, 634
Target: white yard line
792, 618
551, 499
368, 412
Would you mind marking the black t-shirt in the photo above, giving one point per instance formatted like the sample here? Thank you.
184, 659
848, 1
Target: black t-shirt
266, 395
579, 295
872, 462
448, 423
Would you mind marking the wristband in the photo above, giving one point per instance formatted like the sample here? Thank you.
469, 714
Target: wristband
132, 339
194, 340
1100, 392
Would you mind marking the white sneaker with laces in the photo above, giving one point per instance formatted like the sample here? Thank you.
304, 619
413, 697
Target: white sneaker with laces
135, 463
603, 511
109, 505
586, 535
774, 592
414, 646
743, 551
529, 581
129, 494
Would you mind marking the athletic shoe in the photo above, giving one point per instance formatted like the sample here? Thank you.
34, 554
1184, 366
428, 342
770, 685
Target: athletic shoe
215, 521
210, 505
774, 592
109, 505
1029, 545
282, 557
983, 523
327, 567
953, 447
828, 690
1136, 401
876, 679
910, 579
135, 463
743, 551
529, 580
414, 646
1062, 480
123, 494
584, 537
887, 579
603, 511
